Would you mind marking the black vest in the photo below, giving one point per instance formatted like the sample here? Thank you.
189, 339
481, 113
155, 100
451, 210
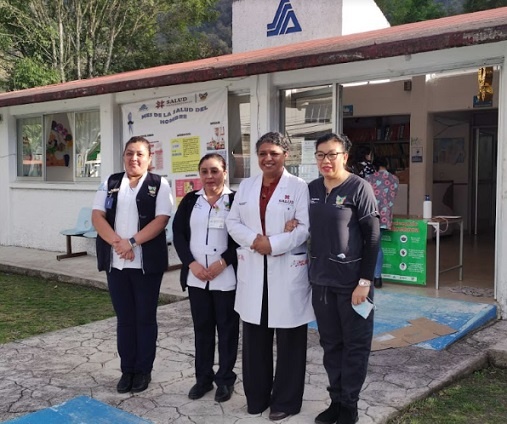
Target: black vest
155, 254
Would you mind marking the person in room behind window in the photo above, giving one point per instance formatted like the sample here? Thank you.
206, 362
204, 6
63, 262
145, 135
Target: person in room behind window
362, 165
385, 187
208, 256
130, 212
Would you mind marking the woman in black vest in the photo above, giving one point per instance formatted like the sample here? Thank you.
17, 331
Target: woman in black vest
208, 256
130, 212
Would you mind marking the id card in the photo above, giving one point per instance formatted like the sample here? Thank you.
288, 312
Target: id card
109, 202
216, 222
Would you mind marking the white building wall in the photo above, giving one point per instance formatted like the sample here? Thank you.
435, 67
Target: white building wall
309, 21
295, 21
33, 213
7, 163
501, 206
362, 16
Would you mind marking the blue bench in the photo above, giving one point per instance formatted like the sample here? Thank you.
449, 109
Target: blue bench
83, 226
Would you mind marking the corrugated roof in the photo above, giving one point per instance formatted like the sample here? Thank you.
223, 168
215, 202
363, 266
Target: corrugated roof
455, 31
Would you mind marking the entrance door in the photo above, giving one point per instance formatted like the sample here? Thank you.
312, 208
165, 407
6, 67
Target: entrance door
484, 180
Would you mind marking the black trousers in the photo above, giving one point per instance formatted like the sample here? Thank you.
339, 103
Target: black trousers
135, 297
214, 309
284, 391
346, 339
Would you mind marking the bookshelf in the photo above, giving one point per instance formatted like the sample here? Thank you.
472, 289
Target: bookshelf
387, 136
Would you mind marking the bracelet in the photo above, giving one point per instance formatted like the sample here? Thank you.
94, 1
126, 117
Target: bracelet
221, 262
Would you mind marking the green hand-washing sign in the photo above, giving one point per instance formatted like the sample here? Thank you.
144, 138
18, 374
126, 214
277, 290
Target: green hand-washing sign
404, 250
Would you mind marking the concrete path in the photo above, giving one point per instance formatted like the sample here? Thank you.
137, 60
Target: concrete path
48, 370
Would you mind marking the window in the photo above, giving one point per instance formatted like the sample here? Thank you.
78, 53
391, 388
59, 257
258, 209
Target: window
60, 146
306, 115
239, 137
30, 147
87, 130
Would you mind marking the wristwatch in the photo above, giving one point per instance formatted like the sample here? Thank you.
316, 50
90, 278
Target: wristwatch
364, 283
132, 242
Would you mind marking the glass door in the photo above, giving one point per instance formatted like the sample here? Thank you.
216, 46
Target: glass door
484, 180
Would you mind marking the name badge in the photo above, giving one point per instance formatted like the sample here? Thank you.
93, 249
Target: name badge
109, 202
216, 222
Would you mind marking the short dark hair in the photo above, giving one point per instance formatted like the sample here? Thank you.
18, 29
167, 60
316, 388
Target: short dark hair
338, 138
216, 156
276, 138
380, 161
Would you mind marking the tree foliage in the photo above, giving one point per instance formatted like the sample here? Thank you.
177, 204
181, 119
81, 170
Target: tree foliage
75, 39
400, 12
477, 5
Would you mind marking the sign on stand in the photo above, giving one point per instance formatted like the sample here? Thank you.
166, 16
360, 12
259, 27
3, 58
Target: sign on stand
404, 250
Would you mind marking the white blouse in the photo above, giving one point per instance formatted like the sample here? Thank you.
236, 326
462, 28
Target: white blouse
208, 239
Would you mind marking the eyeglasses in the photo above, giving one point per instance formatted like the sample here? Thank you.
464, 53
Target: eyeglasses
330, 155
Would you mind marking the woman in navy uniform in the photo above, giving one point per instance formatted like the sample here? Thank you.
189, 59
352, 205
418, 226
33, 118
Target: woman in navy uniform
344, 232
130, 212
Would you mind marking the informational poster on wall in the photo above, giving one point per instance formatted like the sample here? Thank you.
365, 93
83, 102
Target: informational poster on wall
184, 186
404, 250
181, 129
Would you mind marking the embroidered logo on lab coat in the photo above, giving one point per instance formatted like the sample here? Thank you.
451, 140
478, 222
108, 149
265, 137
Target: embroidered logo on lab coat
287, 200
299, 263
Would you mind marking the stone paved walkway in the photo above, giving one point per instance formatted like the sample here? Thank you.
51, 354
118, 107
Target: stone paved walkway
39, 372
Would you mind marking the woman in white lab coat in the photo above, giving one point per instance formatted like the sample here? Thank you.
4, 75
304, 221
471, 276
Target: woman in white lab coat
273, 292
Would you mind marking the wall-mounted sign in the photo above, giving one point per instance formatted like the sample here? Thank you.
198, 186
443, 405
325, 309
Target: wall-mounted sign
417, 154
285, 20
348, 110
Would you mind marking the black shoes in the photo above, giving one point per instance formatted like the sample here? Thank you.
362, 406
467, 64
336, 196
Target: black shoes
223, 393
125, 383
277, 416
377, 282
348, 415
140, 382
330, 415
199, 390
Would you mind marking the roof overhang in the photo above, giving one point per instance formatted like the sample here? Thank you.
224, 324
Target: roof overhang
471, 29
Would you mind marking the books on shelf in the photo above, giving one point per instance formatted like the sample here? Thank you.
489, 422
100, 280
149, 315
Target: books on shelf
395, 132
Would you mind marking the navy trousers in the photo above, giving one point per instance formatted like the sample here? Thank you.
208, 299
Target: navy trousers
213, 309
346, 339
135, 297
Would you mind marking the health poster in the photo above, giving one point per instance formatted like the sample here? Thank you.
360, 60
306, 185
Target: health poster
180, 128
404, 250
186, 185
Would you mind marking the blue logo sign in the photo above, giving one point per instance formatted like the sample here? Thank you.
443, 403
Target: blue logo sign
285, 21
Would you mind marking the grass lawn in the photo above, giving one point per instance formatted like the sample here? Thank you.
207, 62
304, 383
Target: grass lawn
480, 398
31, 306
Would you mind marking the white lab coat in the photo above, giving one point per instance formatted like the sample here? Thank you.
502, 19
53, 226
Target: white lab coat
289, 290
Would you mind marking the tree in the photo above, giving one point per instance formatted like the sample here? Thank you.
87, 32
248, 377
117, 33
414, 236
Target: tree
182, 31
77, 39
477, 5
400, 12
